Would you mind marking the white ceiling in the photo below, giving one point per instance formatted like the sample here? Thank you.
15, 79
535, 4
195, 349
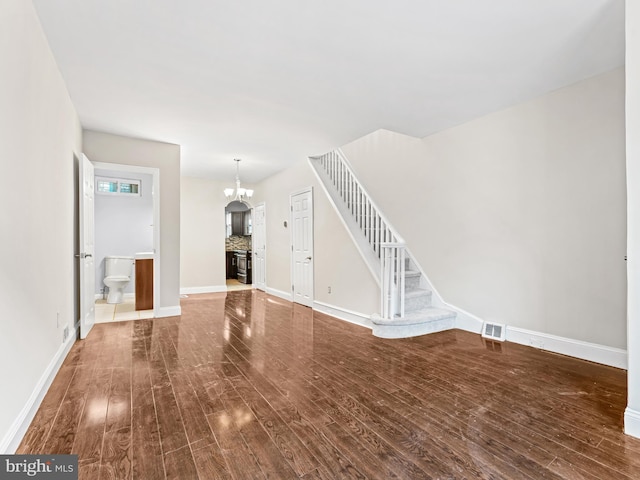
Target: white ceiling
273, 82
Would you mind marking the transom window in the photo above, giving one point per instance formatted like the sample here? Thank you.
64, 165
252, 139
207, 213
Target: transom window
118, 186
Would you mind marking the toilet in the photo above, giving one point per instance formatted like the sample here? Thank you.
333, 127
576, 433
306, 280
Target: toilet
117, 275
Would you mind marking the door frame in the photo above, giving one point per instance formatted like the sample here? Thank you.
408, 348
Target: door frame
253, 209
155, 173
292, 263
86, 254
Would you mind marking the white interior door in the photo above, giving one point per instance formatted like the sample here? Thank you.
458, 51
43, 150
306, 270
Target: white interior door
87, 246
259, 238
302, 247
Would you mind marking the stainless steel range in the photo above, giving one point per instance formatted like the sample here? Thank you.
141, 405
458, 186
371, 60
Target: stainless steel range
243, 262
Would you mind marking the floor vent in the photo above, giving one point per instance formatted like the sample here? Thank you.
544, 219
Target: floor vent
494, 331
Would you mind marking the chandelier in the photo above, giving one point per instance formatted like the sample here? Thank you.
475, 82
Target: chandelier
238, 194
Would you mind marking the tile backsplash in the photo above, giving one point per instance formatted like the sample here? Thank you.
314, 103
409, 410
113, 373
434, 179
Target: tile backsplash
238, 242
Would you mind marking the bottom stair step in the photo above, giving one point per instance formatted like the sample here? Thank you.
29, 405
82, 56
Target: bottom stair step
426, 320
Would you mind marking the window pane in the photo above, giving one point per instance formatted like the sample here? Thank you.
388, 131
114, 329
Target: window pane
106, 186
129, 187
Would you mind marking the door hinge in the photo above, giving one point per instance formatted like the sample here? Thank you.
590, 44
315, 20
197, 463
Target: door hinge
292, 288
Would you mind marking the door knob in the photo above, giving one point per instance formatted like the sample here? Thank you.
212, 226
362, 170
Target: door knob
308, 258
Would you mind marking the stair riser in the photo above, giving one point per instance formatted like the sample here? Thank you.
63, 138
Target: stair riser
412, 283
404, 331
412, 304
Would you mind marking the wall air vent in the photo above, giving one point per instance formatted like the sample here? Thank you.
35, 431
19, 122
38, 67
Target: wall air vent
494, 331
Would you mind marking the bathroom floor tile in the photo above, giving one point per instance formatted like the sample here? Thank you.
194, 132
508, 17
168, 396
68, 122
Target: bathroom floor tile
104, 312
124, 311
125, 307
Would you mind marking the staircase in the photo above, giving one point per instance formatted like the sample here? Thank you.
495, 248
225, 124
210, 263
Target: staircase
408, 306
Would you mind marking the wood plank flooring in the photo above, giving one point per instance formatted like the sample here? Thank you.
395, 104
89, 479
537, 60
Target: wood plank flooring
248, 386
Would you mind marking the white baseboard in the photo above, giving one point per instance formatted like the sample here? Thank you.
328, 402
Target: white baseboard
209, 289
279, 293
100, 296
168, 311
465, 320
614, 357
14, 435
632, 422
344, 314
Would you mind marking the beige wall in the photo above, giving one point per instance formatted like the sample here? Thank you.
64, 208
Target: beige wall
108, 148
632, 414
202, 233
518, 217
337, 262
40, 136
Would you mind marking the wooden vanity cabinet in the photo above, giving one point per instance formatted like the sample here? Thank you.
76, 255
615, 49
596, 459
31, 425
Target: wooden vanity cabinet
144, 284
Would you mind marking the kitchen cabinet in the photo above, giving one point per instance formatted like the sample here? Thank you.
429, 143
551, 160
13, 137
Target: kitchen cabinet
246, 222
239, 223
237, 219
232, 266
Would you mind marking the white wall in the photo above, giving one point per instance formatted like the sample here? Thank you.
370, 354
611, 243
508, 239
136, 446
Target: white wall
123, 223
202, 230
632, 414
40, 136
518, 217
337, 262
109, 148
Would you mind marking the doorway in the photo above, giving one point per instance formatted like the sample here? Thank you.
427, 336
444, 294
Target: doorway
259, 247
302, 246
238, 240
126, 216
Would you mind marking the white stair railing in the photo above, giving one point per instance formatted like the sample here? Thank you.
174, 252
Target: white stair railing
377, 231
393, 280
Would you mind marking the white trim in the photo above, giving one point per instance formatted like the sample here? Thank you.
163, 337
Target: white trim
100, 296
209, 289
306, 190
614, 357
344, 314
173, 311
262, 286
18, 428
280, 294
632, 422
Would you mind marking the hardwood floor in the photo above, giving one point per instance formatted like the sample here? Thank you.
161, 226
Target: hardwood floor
249, 386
